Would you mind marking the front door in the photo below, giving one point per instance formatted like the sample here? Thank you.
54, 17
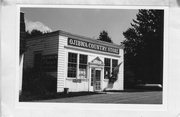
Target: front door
97, 84
96, 79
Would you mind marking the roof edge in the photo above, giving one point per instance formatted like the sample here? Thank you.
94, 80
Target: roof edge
61, 32
64, 33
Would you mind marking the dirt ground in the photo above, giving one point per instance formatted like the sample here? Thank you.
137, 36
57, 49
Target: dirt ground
147, 97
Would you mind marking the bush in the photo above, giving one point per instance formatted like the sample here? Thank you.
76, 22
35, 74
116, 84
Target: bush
38, 82
129, 79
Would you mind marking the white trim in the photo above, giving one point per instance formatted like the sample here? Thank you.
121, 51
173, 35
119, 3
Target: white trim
77, 67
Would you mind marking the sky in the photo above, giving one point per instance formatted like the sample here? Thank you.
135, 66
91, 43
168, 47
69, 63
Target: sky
84, 22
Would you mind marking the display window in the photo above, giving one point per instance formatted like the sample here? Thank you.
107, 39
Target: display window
72, 64
107, 68
75, 66
82, 66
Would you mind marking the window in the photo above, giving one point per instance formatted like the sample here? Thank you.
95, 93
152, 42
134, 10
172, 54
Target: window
72, 64
107, 68
114, 64
75, 64
82, 66
49, 62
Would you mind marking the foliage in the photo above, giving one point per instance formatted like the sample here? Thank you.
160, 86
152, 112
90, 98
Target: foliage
144, 46
38, 82
33, 33
104, 37
22, 43
25, 35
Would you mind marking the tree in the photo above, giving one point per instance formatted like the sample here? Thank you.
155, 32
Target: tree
24, 35
144, 46
104, 37
33, 33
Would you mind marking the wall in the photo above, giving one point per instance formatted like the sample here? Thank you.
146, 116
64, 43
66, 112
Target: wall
48, 45
61, 63
84, 85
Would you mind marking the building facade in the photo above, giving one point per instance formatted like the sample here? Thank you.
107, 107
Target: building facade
79, 63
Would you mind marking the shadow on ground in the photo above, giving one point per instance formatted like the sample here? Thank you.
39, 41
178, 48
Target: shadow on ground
135, 90
28, 97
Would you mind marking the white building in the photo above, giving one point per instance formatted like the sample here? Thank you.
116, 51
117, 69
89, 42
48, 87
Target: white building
79, 63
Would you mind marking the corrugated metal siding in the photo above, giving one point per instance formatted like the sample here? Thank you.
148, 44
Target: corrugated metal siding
61, 64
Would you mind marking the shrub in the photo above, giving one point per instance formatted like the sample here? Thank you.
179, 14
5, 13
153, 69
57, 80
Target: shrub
38, 82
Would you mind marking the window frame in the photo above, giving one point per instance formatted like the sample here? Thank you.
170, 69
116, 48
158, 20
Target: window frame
109, 67
72, 63
84, 64
114, 66
77, 65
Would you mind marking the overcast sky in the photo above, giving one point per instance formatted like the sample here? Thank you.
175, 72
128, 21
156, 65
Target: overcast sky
85, 22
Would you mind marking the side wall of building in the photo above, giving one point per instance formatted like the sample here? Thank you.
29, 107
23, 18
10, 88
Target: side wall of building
45, 45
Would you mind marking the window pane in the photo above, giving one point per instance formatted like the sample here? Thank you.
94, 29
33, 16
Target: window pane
49, 62
82, 66
82, 73
107, 62
114, 63
72, 57
72, 64
72, 70
106, 72
107, 68
83, 59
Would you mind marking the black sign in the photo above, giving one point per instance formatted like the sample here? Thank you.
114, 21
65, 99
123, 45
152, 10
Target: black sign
49, 62
94, 46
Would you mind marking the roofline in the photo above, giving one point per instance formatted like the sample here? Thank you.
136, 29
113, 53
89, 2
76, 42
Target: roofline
83, 38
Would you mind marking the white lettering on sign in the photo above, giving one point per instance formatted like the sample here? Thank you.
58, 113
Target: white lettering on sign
89, 45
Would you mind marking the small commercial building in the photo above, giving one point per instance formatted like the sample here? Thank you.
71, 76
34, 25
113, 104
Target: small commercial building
79, 63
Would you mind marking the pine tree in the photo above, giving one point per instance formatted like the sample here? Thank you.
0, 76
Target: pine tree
34, 33
144, 46
104, 37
